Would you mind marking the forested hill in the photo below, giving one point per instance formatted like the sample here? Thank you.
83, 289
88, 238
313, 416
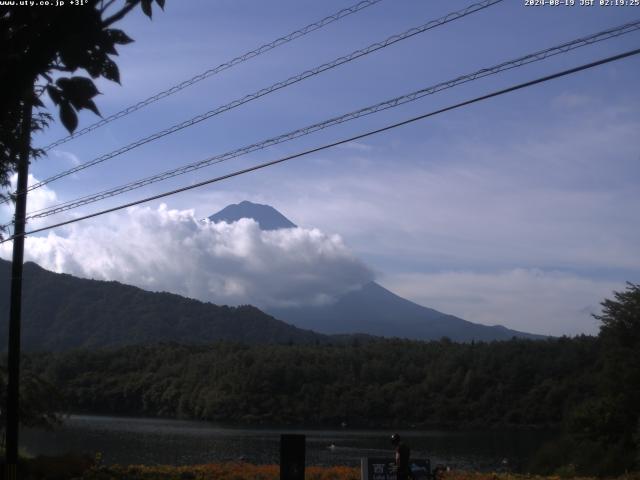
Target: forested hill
378, 311
390, 383
62, 312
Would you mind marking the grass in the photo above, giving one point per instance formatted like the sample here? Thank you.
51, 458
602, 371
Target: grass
84, 468
218, 471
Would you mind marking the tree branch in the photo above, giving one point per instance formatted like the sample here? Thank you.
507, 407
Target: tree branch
120, 15
104, 8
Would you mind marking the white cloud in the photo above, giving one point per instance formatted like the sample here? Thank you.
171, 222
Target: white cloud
529, 209
171, 250
571, 100
548, 197
37, 199
359, 146
70, 157
556, 193
532, 300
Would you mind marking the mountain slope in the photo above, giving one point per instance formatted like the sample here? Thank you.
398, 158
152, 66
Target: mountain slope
373, 309
377, 311
267, 217
62, 312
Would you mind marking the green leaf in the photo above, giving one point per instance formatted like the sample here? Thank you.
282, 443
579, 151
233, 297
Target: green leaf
62, 82
71, 57
68, 116
110, 71
84, 86
77, 87
78, 91
54, 94
90, 105
93, 69
118, 36
146, 7
108, 47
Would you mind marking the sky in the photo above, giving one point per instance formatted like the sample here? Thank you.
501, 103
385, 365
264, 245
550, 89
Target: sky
520, 210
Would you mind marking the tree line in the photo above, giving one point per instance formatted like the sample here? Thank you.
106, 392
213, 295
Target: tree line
381, 383
587, 387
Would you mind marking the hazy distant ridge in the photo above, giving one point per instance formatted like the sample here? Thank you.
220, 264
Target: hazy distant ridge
62, 312
377, 311
372, 309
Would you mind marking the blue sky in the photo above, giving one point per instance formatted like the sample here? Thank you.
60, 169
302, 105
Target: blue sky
521, 210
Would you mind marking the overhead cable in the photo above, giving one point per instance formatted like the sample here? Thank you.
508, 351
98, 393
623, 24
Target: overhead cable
276, 86
387, 104
215, 70
340, 142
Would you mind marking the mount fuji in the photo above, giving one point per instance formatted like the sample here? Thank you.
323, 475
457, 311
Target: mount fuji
371, 309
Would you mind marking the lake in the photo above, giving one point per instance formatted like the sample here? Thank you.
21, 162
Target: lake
178, 442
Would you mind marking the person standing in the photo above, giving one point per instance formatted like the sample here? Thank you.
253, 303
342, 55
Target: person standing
403, 453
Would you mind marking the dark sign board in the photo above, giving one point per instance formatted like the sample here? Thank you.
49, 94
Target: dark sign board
385, 469
292, 453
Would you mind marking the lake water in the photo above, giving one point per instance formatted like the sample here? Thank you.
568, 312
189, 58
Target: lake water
177, 442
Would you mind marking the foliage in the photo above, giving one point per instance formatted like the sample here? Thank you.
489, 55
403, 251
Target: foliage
465, 475
590, 386
40, 47
39, 400
62, 312
86, 468
390, 382
620, 318
245, 471
56, 468
603, 430
218, 471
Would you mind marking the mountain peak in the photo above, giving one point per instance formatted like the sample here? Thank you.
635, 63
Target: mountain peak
267, 217
377, 311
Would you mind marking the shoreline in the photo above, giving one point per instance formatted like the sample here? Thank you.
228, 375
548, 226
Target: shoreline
85, 468
294, 426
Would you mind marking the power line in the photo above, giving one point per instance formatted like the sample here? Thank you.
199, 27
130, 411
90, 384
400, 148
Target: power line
341, 142
387, 104
223, 66
276, 86
540, 55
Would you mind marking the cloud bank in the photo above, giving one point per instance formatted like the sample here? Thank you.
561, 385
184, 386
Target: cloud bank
171, 250
526, 299
37, 199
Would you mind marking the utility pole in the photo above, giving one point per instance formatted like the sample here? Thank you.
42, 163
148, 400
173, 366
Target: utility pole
13, 386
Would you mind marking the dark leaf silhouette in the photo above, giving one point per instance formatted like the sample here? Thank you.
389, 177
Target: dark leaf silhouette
146, 7
79, 91
118, 36
54, 94
110, 71
68, 116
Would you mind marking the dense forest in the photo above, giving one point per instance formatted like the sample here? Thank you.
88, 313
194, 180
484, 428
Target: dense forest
62, 312
400, 383
589, 387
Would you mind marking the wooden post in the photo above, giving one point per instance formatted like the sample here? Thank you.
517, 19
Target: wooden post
13, 385
292, 457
